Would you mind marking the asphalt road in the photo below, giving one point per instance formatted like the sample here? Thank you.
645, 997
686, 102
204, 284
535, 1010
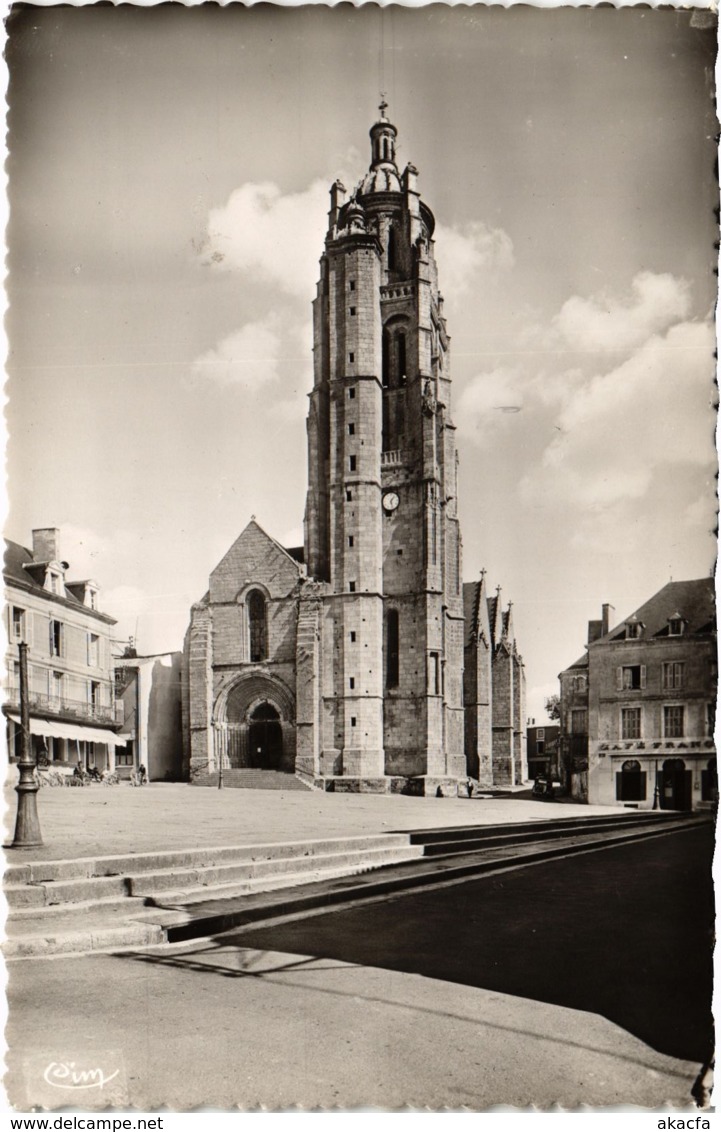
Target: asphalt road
625, 932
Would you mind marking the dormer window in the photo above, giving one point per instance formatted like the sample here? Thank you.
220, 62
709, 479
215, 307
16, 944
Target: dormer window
634, 629
675, 625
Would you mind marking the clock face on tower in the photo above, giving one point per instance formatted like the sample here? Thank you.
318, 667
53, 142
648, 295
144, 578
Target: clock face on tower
390, 501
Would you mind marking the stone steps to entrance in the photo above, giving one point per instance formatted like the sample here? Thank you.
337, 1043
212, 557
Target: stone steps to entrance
250, 778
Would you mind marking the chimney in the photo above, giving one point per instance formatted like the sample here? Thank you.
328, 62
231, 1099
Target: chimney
45, 544
595, 630
606, 611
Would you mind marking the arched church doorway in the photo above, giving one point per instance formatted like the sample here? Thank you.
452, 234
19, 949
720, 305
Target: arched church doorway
265, 738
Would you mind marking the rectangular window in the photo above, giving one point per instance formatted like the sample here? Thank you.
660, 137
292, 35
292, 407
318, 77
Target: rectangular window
392, 649
352, 463
351, 587
631, 723
541, 733
352, 721
579, 721
351, 391
710, 719
434, 674
351, 285
673, 722
56, 638
56, 685
672, 675
351, 359
351, 429
349, 497
93, 650
352, 635
352, 310
540, 746
350, 540
631, 676
17, 624
94, 694
351, 682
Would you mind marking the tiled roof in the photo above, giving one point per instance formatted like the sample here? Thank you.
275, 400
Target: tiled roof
15, 558
694, 601
18, 557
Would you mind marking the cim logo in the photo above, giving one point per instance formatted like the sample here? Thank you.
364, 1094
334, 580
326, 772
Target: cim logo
68, 1075
90, 1078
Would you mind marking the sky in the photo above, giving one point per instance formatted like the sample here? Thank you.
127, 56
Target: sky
168, 180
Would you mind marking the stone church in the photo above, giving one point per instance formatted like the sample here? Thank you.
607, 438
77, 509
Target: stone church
360, 661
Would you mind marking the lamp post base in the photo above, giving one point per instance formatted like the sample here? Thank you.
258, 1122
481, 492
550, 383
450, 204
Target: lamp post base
27, 824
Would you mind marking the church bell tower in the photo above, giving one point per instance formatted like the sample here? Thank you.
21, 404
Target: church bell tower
381, 522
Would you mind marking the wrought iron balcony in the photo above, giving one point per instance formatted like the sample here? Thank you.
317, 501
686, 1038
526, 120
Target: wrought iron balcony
63, 706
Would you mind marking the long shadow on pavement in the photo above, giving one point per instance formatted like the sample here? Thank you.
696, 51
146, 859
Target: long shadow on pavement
625, 932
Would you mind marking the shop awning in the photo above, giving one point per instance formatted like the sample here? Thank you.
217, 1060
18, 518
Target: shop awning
54, 729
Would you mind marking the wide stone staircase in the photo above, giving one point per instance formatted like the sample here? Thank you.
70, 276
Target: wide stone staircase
103, 903
251, 779
94, 903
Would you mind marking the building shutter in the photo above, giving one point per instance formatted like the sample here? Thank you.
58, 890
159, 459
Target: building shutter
643, 675
619, 679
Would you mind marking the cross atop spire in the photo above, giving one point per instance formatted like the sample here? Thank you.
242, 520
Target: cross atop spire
383, 104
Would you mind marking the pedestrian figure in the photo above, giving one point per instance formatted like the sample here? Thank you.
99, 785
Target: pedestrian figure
142, 775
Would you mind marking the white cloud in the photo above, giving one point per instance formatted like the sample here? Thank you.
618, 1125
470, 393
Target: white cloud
486, 400
652, 411
607, 322
249, 356
703, 512
463, 252
276, 238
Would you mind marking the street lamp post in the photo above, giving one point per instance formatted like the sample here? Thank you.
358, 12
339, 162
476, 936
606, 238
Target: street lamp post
27, 825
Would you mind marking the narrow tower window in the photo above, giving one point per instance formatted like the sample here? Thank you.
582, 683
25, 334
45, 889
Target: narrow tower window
392, 651
401, 355
391, 248
255, 605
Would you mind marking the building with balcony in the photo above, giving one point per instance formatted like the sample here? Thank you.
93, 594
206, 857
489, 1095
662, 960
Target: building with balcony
638, 710
73, 713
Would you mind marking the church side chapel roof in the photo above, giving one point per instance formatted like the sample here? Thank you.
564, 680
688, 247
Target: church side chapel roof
692, 602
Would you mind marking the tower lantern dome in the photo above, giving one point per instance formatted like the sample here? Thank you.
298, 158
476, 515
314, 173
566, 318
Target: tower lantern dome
383, 173
383, 140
